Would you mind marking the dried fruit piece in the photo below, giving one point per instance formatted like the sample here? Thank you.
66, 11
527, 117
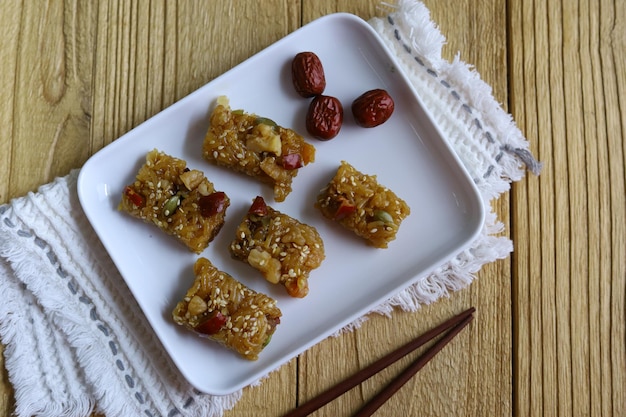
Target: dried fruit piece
324, 117
372, 108
213, 204
307, 74
135, 198
258, 207
212, 324
292, 161
344, 208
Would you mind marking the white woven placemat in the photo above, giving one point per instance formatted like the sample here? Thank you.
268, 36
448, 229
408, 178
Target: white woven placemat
75, 340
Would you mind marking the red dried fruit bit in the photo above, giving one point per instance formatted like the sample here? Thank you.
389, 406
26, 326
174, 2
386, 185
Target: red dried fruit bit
307, 74
212, 204
292, 161
134, 197
372, 108
258, 207
324, 117
344, 209
213, 324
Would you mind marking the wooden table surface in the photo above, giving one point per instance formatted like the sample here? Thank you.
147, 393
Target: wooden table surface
549, 336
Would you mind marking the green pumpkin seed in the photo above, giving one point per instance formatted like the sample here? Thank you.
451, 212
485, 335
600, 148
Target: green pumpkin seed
265, 121
383, 216
171, 205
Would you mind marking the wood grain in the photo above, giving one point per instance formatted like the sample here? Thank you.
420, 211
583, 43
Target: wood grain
569, 222
549, 337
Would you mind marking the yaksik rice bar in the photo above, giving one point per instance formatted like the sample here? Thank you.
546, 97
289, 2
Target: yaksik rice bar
357, 202
179, 201
282, 248
256, 146
219, 307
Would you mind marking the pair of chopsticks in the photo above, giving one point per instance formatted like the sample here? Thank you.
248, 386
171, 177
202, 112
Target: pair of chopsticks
455, 324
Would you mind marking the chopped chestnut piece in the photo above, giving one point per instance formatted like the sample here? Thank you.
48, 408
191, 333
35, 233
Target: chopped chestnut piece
134, 197
212, 325
297, 287
258, 207
344, 209
292, 161
212, 204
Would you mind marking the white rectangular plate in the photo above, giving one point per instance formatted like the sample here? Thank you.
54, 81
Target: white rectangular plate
407, 153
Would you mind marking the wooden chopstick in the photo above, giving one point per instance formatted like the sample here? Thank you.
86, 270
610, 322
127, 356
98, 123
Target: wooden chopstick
406, 375
457, 322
